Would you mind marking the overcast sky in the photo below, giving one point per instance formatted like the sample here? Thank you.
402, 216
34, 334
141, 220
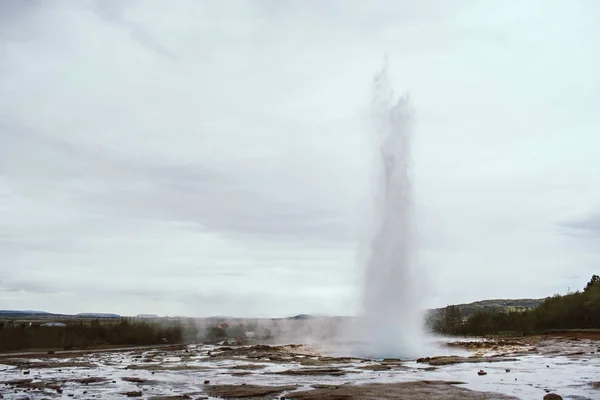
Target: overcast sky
211, 157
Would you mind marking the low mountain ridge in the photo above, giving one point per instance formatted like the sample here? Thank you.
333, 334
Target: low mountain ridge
44, 314
468, 309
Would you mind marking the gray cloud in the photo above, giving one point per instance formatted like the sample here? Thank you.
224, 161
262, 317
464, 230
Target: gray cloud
583, 226
112, 12
100, 181
26, 286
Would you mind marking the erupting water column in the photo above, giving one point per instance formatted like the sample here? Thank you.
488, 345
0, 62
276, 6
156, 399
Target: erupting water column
392, 314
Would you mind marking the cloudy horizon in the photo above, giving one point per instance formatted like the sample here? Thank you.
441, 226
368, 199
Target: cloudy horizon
211, 158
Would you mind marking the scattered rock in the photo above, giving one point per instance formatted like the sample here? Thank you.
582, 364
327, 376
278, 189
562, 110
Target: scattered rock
391, 360
314, 371
346, 360
206, 382
481, 372
251, 367
134, 379
133, 394
552, 396
323, 386
449, 360
439, 390
376, 367
246, 391
92, 379
18, 382
577, 353
272, 353
161, 367
507, 370
26, 372
29, 384
27, 365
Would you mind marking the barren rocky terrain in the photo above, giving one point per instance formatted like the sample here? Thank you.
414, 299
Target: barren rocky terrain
504, 368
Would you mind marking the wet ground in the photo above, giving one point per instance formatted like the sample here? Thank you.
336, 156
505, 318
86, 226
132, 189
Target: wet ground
525, 368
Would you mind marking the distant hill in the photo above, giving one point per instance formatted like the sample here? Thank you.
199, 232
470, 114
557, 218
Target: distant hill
44, 314
97, 315
301, 316
468, 309
21, 313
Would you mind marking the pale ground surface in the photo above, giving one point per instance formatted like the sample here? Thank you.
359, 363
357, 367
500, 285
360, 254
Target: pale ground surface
565, 366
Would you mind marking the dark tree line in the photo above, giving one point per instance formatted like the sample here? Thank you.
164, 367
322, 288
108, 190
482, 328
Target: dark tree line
579, 310
89, 335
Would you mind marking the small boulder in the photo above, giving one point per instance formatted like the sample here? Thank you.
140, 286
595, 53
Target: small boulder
481, 372
552, 396
133, 394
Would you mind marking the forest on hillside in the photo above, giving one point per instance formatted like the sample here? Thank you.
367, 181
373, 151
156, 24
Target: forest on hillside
579, 310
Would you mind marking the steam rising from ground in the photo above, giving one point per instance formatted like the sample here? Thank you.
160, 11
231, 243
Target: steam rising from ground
392, 320
392, 312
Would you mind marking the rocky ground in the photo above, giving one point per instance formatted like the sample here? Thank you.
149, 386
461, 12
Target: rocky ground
501, 368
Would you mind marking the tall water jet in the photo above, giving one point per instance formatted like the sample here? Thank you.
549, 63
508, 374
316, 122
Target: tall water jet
392, 314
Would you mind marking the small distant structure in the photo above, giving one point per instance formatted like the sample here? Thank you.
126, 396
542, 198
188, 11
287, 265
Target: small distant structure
54, 324
147, 316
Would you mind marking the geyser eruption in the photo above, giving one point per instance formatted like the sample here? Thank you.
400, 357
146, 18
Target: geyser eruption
392, 315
